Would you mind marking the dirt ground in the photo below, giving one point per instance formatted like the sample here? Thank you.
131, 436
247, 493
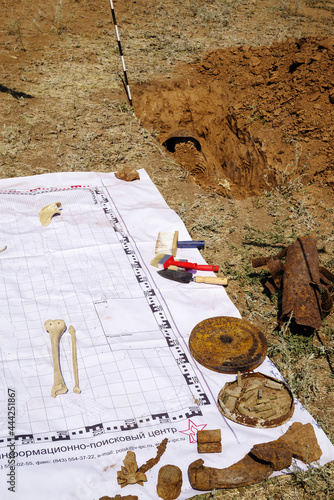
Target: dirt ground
233, 107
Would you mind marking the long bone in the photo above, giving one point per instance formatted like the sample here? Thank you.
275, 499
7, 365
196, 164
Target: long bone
56, 329
76, 388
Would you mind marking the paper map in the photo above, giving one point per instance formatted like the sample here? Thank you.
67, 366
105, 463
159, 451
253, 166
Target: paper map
91, 268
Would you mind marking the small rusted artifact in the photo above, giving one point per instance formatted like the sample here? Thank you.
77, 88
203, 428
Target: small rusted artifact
306, 287
129, 473
169, 482
227, 345
256, 400
209, 441
153, 461
263, 459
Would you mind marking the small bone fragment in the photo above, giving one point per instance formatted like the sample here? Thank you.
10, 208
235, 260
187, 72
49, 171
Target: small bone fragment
251, 388
127, 173
262, 407
169, 482
76, 388
3, 249
209, 441
251, 401
248, 395
129, 473
235, 392
228, 401
269, 414
46, 214
273, 385
56, 329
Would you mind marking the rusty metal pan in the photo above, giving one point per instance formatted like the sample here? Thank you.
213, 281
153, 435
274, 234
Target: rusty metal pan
256, 400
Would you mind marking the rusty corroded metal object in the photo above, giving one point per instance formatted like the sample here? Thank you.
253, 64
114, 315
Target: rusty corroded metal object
257, 400
306, 287
181, 135
209, 441
262, 460
169, 482
227, 345
153, 461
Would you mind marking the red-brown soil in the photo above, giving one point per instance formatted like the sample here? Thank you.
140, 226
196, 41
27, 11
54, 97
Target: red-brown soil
260, 114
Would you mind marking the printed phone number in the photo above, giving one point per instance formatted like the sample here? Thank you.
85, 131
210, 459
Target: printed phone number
54, 461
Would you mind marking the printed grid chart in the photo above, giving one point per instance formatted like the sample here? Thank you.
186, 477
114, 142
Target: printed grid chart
132, 370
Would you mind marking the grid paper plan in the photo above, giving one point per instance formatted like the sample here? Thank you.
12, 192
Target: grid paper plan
90, 267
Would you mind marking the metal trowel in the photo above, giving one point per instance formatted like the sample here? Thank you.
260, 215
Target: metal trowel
185, 277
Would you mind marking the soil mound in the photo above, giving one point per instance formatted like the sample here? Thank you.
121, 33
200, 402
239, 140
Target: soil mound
263, 116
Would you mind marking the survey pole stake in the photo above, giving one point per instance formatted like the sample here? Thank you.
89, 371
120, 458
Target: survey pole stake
121, 53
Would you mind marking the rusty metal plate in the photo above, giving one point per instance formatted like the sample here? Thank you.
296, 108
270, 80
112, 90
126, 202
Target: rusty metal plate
256, 400
228, 345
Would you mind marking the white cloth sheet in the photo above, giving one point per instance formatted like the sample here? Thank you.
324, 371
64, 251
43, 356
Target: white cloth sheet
91, 268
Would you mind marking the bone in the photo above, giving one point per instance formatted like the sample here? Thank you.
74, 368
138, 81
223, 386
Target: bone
56, 329
71, 331
46, 214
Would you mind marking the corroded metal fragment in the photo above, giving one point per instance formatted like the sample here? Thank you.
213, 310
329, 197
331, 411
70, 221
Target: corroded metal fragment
153, 461
129, 472
209, 441
227, 345
169, 482
298, 442
306, 287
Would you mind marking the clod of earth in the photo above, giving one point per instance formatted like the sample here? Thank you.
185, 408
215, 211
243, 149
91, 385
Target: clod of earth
56, 329
306, 287
263, 459
127, 173
46, 214
169, 482
209, 441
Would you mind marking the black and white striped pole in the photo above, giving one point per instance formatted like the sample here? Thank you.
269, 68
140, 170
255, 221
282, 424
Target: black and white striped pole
121, 53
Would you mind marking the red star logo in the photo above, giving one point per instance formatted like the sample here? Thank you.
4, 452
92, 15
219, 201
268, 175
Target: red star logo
192, 431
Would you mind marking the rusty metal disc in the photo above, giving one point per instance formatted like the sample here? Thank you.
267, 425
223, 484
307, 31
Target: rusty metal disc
228, 345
